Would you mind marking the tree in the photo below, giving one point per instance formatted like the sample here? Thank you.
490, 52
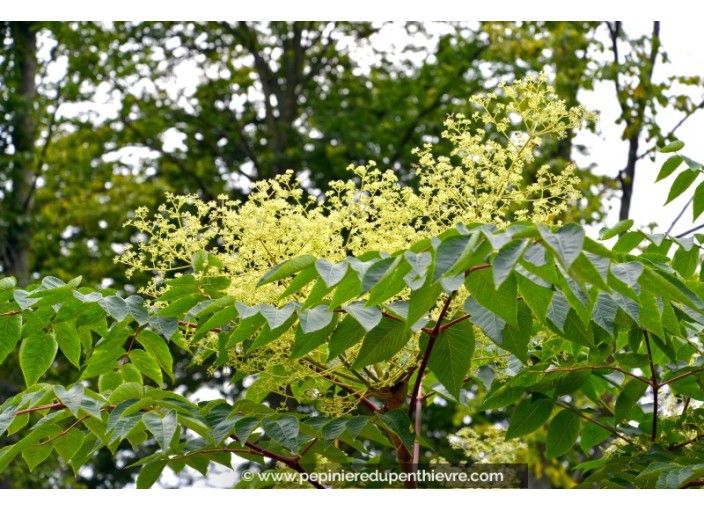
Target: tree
261, 104
450, 299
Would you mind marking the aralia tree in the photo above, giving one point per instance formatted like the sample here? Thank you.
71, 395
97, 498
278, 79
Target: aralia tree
370, 307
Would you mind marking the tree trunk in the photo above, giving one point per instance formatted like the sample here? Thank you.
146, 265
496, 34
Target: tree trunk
23, 135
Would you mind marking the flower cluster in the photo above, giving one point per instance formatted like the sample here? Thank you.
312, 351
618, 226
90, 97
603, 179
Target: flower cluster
483, 179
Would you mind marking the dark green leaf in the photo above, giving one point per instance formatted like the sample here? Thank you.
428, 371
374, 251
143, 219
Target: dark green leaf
528, 416
382, 342
10, 329
507, 258
451, 356
562, 433
502, 301
332, 274
147, 365
287, 269
37, 353
629, 396
162, 427
398, 423
368, 317
150, 474
283, 430
567, 242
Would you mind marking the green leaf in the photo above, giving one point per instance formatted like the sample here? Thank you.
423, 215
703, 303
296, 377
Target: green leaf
451, 356
629, 396
10, 332
669, 166
698, 201
673, 147
315, 319
301, 280
500, 397
501, 301
604, 313
276, 317
675, 477
71, 398
593, 435
305, 342
180, 306
157, 348
67, 337
332, 274
575, 331
210, 307
165, 326
245, 426
491, 324
283, 430
349, 288
150, 474
287, 268
162, 427
346, 335
382, 342
7, 416
147, 365
567, 242
621, 226
35, 455
398, 423
115, 306
449, 252
251, 321
562, 433
37, 354
528, 416
267, 335
507, 258
682, 182
137, 309
68, 445
536, 296
628, 241
218, 320
368, 317
333, 429
378, 270
628, 272
391, 284
685, 262
515, 339
650, 317
422, 301
693, 165
7, 283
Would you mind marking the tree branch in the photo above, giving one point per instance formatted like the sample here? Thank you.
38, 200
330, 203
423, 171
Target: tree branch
584, 417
